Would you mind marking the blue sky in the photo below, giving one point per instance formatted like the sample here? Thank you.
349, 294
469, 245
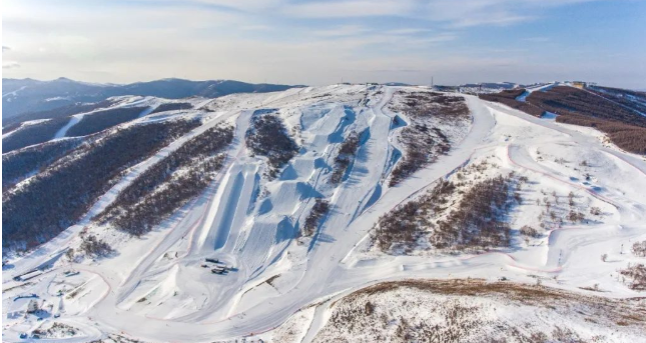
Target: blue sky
320, 42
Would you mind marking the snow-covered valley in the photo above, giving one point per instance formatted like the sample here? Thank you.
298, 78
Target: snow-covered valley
248, 259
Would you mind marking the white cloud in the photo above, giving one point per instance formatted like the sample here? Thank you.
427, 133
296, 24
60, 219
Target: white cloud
10, 65
238, 5
409, 31
352, 8
458, 14
340, 31
256, 27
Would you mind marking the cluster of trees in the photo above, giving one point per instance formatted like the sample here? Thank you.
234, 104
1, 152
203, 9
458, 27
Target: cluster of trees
198, 148
631, 99
555, 214
636, 275
609, 110
423, 146
507, 94
101, 120
508, 97
529, 231
156, 193
401, 228
479, 220
639, 249
94, 247
268, 137
352, 317
172, 106
312, 222
59, 112
18, 164
625, 127
33, 134
56, 329
415, 100
628, 137
422, 142
154, 208
425, 104
567, 101
10, 127
60, 195
451, 107
345, 157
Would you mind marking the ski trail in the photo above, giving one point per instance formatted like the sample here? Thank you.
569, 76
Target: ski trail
73, 121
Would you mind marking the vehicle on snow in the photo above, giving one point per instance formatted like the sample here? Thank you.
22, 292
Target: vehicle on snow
69, 273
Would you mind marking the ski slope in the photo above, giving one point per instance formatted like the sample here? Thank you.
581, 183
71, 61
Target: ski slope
155, 290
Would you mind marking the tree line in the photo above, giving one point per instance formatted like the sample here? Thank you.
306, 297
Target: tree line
422, 142
161, 190
101, 120
57, 197
33, 134
268, 137
17, 165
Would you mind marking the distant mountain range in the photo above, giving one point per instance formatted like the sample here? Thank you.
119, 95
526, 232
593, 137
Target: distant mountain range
28, 95
496, 85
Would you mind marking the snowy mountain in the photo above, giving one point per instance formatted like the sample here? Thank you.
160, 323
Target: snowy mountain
349, 213
26, 98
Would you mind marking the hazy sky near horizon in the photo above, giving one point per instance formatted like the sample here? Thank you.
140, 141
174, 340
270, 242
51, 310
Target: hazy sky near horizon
320, 42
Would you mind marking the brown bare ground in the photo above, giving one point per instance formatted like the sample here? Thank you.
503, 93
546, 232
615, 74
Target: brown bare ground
630, 311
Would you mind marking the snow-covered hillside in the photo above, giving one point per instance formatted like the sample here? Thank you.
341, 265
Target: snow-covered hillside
306, 206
